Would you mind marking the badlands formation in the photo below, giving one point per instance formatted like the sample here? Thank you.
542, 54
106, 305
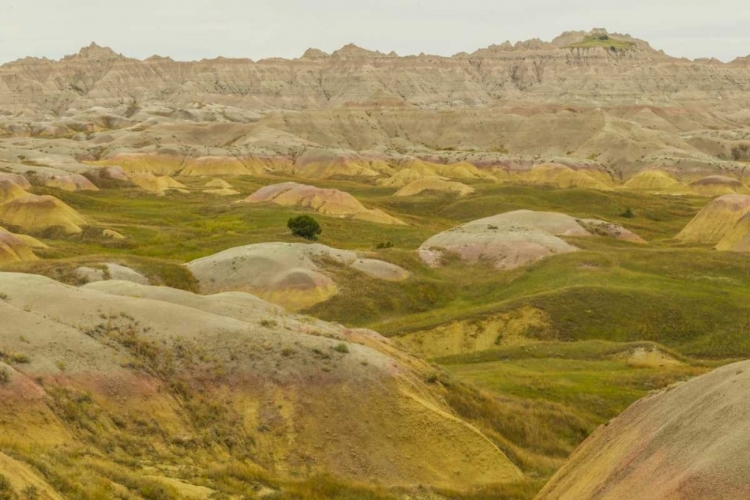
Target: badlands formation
519, 244
517, 238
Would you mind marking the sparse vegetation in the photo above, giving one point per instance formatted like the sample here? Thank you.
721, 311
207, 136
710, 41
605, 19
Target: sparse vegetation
342, 348
6, 492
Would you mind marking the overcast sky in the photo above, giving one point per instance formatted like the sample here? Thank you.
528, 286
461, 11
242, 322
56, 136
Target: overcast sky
196, 29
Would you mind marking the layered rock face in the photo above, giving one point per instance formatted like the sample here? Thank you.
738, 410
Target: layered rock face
576, 66
584, 99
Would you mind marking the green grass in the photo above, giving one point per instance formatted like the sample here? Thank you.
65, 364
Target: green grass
537, 402
608, 43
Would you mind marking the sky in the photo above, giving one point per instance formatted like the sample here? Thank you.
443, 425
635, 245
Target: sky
197, 29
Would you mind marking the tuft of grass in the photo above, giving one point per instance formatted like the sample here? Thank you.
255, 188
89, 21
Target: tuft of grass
342, 348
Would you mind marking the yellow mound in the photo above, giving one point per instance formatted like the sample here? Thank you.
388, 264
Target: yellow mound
218, 184
716, 220
150, 182
421, 167
691, 442
434, 184
14, 248
221, 192
214, 165
325, 201
139, 163
324, 164
562, 176
651, 180
463, 170
289, 393
718, 185
111, 233
36, 213
737, 239
401, 178
10, 191
73, 182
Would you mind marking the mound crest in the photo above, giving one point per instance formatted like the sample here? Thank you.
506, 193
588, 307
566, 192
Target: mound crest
325, 164
401, 178
10, 190
155, 184
563, 176
718, 220
718, 185
434, 184
207, 166
296, 394
287, 274
36, 213
691, 442
652, 180
325, 201
514, 239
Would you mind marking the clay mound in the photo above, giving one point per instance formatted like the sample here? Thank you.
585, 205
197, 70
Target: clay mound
110, 271
718, 185
154, 184
434, 184
324, 164
141, 163
716, 220
401, 178
35, 213
690, 442
514, 239
14, 248
737, 239
283, 273
291, 390
72, 182
421, 167
325, 201
16, 179
10, 191
463, 170
208, 166
651, 180
221, 192
562, 176
603, 228
218, 184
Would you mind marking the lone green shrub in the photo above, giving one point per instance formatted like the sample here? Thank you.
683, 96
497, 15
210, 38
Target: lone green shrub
304, 226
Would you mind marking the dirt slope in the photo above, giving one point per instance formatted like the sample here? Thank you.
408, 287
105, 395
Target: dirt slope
691, 442
290, 396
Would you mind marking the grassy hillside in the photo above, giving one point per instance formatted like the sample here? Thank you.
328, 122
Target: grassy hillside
536, 394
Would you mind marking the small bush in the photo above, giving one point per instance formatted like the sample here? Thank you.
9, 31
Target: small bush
30, 493
304, 226
627, 213
20, 358
6, 492
4, 379
386, 244
342, 348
